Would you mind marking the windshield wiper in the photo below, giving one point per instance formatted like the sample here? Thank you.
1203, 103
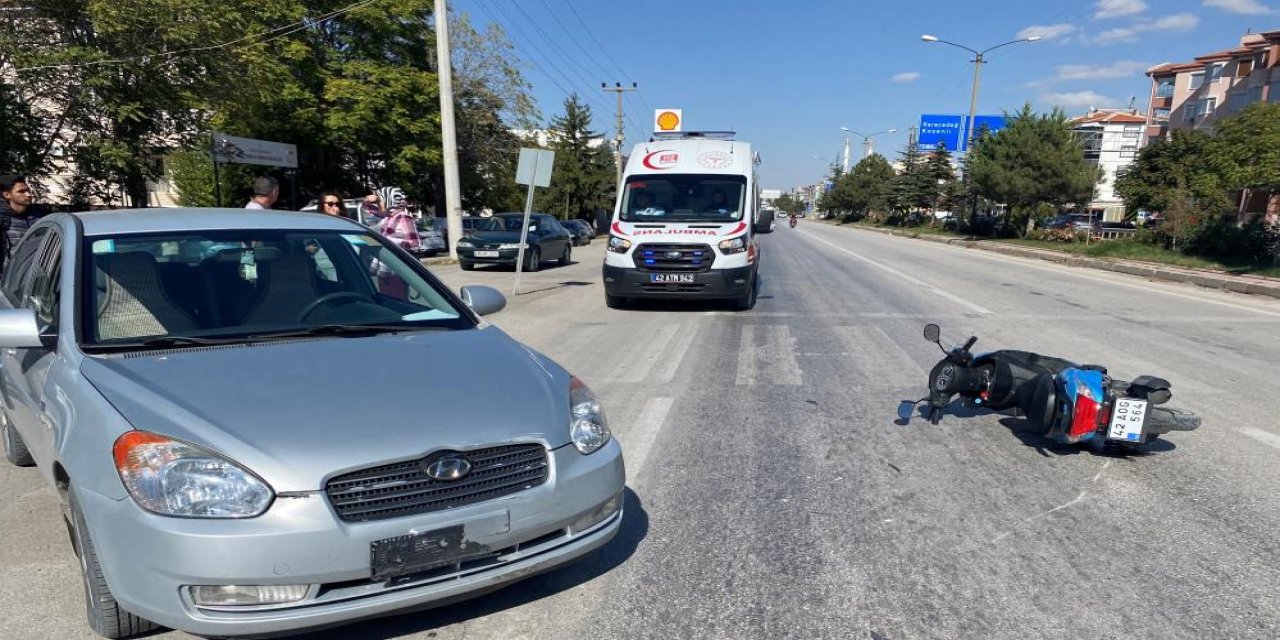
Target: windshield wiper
165, 342
352, 330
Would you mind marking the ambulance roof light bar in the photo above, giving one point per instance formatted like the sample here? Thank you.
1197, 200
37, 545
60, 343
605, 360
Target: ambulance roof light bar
687, 135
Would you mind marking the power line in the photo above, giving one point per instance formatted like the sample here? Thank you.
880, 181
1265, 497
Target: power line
287, 30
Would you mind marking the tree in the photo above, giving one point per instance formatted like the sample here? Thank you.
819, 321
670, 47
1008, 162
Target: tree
867, 187
1174, 173
939, 178
20, 143
788, 204
1248, 149
1033, 164
583, 176
911, 187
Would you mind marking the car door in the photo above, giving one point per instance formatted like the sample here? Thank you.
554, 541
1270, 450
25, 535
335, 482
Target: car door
23, 366
557, 238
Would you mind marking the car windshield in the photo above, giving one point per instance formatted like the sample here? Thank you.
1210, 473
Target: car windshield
252, 283
508, 223
684, 198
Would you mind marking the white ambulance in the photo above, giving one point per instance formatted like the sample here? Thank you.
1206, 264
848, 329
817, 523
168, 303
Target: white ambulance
683, 225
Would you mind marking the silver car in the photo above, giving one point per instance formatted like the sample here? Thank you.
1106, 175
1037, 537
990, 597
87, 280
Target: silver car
229, 404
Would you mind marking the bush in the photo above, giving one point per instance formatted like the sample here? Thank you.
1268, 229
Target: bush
1057, 235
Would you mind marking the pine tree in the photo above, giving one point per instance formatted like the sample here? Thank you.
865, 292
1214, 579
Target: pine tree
583, 176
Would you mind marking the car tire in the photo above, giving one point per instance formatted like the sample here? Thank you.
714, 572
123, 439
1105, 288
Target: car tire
105, 615
467, 266
748, 300
615, 302
15, 449
567, 258
534, 260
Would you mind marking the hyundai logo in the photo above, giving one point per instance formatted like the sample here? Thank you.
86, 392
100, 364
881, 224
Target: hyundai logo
449, 468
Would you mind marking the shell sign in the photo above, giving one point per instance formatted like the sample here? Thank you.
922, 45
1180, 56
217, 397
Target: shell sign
667, 119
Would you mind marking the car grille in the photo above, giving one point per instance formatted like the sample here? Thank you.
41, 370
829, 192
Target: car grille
674, 257
403, 488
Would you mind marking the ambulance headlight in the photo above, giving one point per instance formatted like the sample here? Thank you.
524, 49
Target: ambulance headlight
733, 245
619, 245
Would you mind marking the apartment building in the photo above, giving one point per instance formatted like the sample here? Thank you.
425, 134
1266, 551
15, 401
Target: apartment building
1192, 95
1111, 141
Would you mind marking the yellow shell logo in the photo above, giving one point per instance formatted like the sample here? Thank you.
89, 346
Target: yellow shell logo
668, 121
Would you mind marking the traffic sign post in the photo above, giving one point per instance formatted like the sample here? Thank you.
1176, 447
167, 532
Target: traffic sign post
534, 170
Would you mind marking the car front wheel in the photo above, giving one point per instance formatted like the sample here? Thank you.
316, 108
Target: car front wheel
106, 617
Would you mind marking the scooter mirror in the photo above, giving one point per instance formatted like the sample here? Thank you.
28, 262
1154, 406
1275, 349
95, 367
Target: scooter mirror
932, 333
905, 409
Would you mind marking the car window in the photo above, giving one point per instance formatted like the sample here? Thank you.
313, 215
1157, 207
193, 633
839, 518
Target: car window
44, 285
234, 284
18, 268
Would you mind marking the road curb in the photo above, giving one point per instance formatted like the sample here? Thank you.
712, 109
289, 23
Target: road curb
1252, 285
432, 262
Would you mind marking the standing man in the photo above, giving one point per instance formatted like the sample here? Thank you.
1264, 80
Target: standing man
16, 213
265, 192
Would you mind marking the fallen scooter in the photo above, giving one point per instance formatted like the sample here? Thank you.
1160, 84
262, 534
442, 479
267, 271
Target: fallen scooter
1071, 403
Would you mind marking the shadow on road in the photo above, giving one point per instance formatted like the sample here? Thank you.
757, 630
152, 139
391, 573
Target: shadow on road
1032, 436
635, 526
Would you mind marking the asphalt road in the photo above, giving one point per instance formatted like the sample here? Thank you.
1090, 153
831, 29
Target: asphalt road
772, 495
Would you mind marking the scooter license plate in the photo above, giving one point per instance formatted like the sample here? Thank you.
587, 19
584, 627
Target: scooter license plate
1127, 417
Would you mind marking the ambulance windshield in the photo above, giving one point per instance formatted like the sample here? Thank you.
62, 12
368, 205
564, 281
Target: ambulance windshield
684, 198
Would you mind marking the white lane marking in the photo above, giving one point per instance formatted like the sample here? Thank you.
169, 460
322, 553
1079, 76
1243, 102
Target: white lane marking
638, 369
1116, 279
1265, 437
879, 359
908, 278
643, 434
679, 348
775, 358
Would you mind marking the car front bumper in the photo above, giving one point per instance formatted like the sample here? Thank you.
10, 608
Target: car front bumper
505, 256
150, 561
715, 283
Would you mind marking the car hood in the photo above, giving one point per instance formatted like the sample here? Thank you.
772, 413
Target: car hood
299, 411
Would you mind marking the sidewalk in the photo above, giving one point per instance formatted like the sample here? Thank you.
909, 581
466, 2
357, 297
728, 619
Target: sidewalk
1256, 285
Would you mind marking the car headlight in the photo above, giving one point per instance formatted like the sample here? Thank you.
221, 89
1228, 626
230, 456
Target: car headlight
733, 245
588, 427
619, 245
512, 245
465, 244
173, 478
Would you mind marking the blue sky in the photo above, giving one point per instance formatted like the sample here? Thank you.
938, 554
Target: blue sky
788, 75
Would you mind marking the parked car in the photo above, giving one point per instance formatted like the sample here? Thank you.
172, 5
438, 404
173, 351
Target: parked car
432, 238
182, 378
469, 226
1077, 221
498, 242
587, 226
580, 231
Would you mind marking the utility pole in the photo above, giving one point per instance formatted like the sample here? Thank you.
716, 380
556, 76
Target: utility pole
617, 141
452, 184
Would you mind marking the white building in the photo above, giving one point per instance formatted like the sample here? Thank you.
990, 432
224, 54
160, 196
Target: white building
1112, 138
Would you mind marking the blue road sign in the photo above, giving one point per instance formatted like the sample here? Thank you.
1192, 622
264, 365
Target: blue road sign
992, 124
935, 129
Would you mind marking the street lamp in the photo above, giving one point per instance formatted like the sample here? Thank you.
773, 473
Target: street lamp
978, 60
866, 143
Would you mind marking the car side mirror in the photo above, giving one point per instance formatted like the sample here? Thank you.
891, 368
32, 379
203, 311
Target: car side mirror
484, 300
18, 329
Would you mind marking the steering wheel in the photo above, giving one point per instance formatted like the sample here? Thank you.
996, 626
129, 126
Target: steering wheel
330, 298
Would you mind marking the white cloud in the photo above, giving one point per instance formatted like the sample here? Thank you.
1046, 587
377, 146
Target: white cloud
1246, 7
1117, 8
1175, 22
1077, 99
1049, 31
1120, 69
908, 76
